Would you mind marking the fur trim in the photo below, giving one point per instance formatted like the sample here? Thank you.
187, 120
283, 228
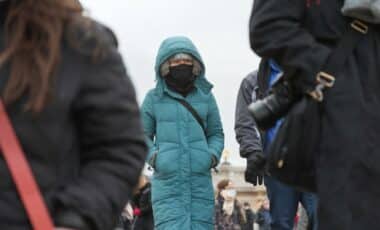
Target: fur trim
197, 67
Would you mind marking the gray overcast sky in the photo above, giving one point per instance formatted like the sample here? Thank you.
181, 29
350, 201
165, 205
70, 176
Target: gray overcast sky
219, 28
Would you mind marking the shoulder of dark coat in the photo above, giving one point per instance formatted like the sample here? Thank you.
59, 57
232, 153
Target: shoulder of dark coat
89, 37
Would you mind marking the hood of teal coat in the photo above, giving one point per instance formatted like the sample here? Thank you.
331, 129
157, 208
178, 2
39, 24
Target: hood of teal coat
168, 48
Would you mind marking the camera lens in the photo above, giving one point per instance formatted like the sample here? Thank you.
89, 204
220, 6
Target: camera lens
263, 111
267, 111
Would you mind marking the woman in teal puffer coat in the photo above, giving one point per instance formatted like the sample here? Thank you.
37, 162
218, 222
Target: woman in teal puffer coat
181, 152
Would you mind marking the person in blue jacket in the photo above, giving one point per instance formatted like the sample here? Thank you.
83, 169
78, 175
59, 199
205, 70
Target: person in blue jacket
183, 148
253, 146
284, 199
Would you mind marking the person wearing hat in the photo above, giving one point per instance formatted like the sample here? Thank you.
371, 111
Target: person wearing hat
182, 123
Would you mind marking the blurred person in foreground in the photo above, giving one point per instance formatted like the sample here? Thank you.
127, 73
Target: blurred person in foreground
74, 111
301, 36
254, 145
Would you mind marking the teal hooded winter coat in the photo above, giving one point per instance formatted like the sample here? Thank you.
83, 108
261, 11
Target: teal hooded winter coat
182, 191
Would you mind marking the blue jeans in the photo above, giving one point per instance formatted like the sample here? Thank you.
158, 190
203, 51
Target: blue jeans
284, 202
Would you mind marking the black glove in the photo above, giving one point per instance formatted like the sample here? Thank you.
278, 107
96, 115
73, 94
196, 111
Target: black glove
255, 168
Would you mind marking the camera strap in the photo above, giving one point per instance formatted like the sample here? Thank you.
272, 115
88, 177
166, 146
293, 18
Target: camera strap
22, 175
338, 57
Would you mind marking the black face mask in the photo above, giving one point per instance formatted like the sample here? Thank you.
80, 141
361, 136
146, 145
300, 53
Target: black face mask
181, 79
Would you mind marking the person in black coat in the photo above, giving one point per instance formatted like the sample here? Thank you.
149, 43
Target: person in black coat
228, 211
263, 217
74, 111
249, 215
142, 205
300, 35
254, 145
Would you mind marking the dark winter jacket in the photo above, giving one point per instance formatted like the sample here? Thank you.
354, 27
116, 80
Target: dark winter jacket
250, 219
124, 224
247, 134
252, 88
263, 219
143, 202
86, 148
300, 35
235, 221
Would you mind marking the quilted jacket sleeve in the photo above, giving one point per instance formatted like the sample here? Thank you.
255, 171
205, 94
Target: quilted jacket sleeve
214, 131
149, 125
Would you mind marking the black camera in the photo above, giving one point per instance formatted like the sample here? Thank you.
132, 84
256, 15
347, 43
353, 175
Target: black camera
273, 107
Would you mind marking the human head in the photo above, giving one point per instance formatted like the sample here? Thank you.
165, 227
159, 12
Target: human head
180, 72
33, 34
266, 204
183, 47
223, 184
227, 190
180, 58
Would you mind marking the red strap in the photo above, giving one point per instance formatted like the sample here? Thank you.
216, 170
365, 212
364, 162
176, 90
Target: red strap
22, 175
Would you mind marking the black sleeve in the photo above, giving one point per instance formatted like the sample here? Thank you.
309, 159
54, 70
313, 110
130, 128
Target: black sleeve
260, 218
113, 148
146, 201
276, 31
250, 216
246, 131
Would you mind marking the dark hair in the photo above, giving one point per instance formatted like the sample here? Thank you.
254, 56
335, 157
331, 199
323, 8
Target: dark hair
33, 35
223, 184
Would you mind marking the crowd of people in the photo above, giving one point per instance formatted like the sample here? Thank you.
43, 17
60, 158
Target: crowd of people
73, 139
230, 212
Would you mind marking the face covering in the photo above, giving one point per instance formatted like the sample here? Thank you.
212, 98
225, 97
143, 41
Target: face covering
181, 79
231, 193
229, 200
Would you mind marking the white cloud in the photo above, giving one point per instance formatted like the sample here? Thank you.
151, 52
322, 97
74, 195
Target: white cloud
219, 28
